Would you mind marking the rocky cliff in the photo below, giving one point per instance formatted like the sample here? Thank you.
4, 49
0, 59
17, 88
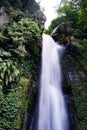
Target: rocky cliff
30, 6
74, 71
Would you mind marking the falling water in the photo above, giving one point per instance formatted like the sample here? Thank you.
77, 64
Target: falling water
52, 112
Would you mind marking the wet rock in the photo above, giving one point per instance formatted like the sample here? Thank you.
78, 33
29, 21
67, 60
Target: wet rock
76, 76
73, 71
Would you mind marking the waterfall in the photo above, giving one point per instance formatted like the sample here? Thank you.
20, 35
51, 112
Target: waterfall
52, 112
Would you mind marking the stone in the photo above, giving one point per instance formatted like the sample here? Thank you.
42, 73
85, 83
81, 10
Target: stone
3, 16
36, 14
62, 33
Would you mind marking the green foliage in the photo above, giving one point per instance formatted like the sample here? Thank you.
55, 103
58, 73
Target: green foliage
73, 11
68, 12
23, 32
79, 91
17, 3
8, 108
22, 41
19, 56
13, 107
2, 38
9, 74
24, 37
15, 14
79, 88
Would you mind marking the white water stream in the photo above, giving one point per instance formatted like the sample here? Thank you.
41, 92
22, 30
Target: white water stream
52, 112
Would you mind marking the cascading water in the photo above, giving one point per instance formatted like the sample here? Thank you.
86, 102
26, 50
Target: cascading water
52, 112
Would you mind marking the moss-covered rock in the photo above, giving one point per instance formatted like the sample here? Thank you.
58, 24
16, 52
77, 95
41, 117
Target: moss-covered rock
62, 33
75, 82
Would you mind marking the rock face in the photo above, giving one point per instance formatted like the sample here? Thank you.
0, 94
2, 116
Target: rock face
62, 33
33, 10
3, 16
74, 76
35, 13
74, 80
